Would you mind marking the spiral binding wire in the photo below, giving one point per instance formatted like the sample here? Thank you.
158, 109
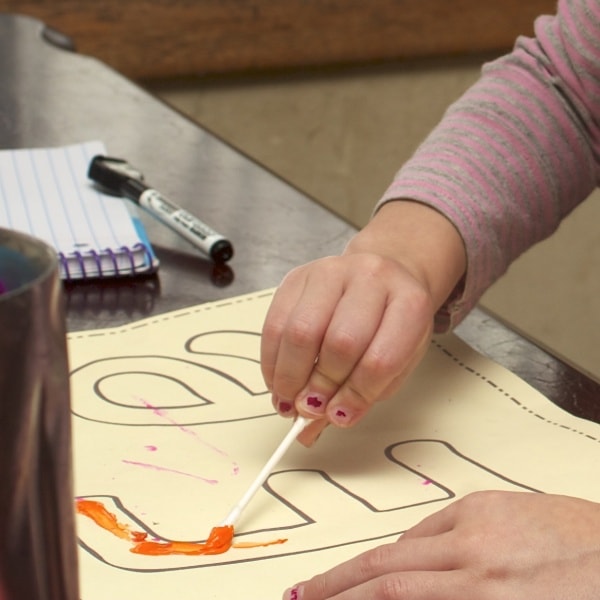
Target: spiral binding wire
99, 269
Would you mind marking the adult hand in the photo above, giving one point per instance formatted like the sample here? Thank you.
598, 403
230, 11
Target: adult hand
487, 546
343, 332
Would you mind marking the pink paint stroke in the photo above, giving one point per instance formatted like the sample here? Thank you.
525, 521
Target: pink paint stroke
167, 470
163, 415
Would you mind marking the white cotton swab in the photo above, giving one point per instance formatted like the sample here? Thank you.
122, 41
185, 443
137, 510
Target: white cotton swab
299, 424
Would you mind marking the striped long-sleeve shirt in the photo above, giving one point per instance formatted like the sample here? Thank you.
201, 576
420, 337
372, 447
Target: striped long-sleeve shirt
519, 150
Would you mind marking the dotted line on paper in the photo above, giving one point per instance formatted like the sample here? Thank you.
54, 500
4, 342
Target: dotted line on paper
508, 395
168, 316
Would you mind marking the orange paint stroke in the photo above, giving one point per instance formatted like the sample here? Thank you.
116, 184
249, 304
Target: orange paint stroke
257, 544
220, 539
98, 513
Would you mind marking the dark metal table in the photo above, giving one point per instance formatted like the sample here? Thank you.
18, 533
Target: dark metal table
51, 96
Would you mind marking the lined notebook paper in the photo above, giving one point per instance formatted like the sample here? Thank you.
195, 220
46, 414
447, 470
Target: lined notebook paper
45, 192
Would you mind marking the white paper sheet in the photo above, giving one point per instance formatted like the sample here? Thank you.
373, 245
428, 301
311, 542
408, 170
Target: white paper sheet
46, 193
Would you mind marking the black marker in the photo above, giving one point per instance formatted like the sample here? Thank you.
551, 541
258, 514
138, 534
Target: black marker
118, 177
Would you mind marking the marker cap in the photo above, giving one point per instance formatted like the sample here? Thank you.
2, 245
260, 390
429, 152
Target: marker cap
221, 251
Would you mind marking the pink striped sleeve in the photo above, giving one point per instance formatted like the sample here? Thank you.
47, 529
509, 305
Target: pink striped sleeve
517, 152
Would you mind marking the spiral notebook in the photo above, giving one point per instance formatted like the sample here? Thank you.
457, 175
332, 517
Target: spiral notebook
46, 193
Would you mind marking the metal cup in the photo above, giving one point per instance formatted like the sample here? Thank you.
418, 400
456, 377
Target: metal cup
38, 549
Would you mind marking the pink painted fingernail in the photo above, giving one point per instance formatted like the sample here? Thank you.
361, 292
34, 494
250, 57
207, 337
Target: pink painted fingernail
342, 416
293, 593
315, 403
284, 408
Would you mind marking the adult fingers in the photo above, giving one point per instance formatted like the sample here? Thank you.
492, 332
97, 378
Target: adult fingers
403, 570
412, 585
437, 523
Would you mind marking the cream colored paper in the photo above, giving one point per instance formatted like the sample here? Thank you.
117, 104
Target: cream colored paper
172, 422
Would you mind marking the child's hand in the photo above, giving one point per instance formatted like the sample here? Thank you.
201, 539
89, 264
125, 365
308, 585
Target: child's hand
341, 334
344, 332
